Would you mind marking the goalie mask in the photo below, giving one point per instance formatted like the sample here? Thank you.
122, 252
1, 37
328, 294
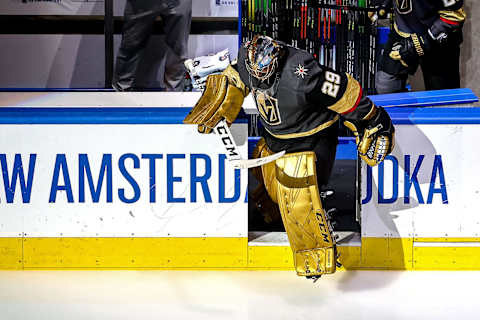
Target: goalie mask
263, 54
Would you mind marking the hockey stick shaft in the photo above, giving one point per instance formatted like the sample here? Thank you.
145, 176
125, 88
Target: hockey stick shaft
233, 152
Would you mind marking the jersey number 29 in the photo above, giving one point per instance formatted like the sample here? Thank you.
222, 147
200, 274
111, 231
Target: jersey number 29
331, 84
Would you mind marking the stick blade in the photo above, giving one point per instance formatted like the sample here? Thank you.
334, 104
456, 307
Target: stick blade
252, 163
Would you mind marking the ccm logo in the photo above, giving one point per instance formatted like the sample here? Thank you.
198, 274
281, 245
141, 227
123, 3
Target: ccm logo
227, 141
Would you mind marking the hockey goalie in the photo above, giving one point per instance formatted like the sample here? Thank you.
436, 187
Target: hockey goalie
300, 103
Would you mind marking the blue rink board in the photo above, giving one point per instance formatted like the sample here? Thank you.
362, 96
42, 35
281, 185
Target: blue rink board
401, 108
346, 147
135, 115
426, 98
124, 115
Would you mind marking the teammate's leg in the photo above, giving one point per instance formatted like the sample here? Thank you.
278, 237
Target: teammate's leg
441, 67
177, 29
139, 16
391, 75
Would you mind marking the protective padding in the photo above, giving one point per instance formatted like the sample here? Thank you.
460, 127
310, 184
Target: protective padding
265, 195
265, 173
221, 99
304, 218
377, 140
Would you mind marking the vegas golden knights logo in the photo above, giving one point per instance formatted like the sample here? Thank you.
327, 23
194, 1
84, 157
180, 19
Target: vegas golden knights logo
268, 108
404, 6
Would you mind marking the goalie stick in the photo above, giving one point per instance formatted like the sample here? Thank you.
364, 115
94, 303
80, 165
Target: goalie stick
233, 154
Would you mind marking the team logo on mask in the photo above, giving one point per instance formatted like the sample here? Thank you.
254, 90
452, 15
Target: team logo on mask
404, 6
267, 107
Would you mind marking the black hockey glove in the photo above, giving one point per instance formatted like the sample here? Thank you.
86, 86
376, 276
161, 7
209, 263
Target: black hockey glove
449, 21
409, 50
439, 34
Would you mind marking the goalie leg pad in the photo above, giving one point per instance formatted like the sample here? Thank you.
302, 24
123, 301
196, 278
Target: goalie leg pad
308, 228
266, 173
265, 195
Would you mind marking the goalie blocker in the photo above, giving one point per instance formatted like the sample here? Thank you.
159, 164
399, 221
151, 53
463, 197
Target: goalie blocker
222, 99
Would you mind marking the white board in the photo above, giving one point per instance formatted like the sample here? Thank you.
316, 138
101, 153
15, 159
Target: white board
430, 185
193, 191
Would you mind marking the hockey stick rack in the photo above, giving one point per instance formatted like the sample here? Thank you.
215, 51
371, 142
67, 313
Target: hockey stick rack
339, 33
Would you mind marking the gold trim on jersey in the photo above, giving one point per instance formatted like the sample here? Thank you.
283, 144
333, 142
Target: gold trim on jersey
453, 15
306, 133
371, 113
349, 98
401, 33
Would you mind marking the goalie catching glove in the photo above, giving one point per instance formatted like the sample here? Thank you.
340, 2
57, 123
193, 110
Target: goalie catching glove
374, 136
222, 99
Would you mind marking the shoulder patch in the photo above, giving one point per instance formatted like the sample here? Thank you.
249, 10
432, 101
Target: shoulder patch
301, 71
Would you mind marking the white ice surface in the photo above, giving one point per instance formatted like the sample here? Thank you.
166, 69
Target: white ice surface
237, 295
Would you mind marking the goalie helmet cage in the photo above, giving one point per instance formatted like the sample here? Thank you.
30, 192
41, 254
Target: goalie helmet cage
339, 33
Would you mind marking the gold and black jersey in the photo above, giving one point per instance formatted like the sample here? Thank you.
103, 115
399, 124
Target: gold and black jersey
418, 16
304, 97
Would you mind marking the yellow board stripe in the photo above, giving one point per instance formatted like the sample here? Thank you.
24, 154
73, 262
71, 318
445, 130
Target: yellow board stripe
447, 239
127, 253
447, 258
387, 253
230, 253
270, 257
11, 253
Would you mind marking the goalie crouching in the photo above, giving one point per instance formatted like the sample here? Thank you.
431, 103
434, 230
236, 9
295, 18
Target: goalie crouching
300, 102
